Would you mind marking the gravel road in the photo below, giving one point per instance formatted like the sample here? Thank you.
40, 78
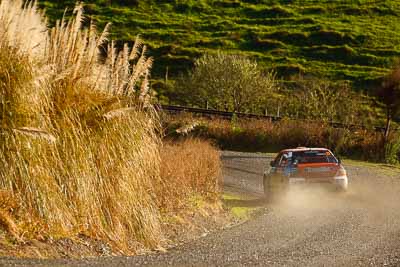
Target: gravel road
308, 228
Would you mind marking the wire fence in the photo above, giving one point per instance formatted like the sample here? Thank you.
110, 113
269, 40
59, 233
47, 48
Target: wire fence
229, 115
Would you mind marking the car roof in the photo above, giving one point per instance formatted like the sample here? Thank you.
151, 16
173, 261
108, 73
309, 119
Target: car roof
300, 149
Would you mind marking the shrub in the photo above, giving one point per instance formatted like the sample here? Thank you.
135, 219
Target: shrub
323, 100
229, 82
392, 150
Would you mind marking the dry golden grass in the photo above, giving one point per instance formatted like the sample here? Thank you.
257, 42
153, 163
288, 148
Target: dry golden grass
190, 167
71, 165
79, 149
8, 207
262, 135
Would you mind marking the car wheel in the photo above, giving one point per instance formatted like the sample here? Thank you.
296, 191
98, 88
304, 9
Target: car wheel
342, 187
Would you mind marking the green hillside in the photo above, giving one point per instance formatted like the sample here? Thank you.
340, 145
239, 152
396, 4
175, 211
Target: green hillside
354, 40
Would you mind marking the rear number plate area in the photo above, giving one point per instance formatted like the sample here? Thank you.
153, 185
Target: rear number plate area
320, 169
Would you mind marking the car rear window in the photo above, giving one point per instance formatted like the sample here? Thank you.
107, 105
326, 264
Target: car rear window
314, 156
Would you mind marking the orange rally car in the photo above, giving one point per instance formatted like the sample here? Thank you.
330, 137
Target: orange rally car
304, 166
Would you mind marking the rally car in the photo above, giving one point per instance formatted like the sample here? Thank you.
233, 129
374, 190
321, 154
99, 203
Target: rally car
304, 166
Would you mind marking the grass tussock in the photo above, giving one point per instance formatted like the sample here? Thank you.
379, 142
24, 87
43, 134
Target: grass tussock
79, 152
189, 168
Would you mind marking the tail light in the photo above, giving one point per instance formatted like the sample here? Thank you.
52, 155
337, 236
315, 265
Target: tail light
341, 172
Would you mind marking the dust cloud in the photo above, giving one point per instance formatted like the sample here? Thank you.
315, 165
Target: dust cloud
376, 198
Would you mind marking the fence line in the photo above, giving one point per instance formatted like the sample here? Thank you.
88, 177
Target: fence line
229, 115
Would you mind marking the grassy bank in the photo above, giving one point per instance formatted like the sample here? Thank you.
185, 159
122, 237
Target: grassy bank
341, 40
80, 157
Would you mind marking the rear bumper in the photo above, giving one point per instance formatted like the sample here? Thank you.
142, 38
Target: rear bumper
340, 182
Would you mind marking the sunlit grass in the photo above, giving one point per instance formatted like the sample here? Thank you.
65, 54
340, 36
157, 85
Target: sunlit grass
329, 38
385, 169
240, 212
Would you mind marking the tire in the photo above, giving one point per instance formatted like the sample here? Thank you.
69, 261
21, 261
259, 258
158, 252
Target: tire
343, 187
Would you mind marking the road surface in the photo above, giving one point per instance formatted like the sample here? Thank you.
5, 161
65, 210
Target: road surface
308, 228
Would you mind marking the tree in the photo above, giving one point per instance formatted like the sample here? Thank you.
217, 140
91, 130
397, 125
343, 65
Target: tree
319, 99
230, 82
389, 94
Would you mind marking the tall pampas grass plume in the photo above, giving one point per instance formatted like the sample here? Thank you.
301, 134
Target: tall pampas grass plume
78, 145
